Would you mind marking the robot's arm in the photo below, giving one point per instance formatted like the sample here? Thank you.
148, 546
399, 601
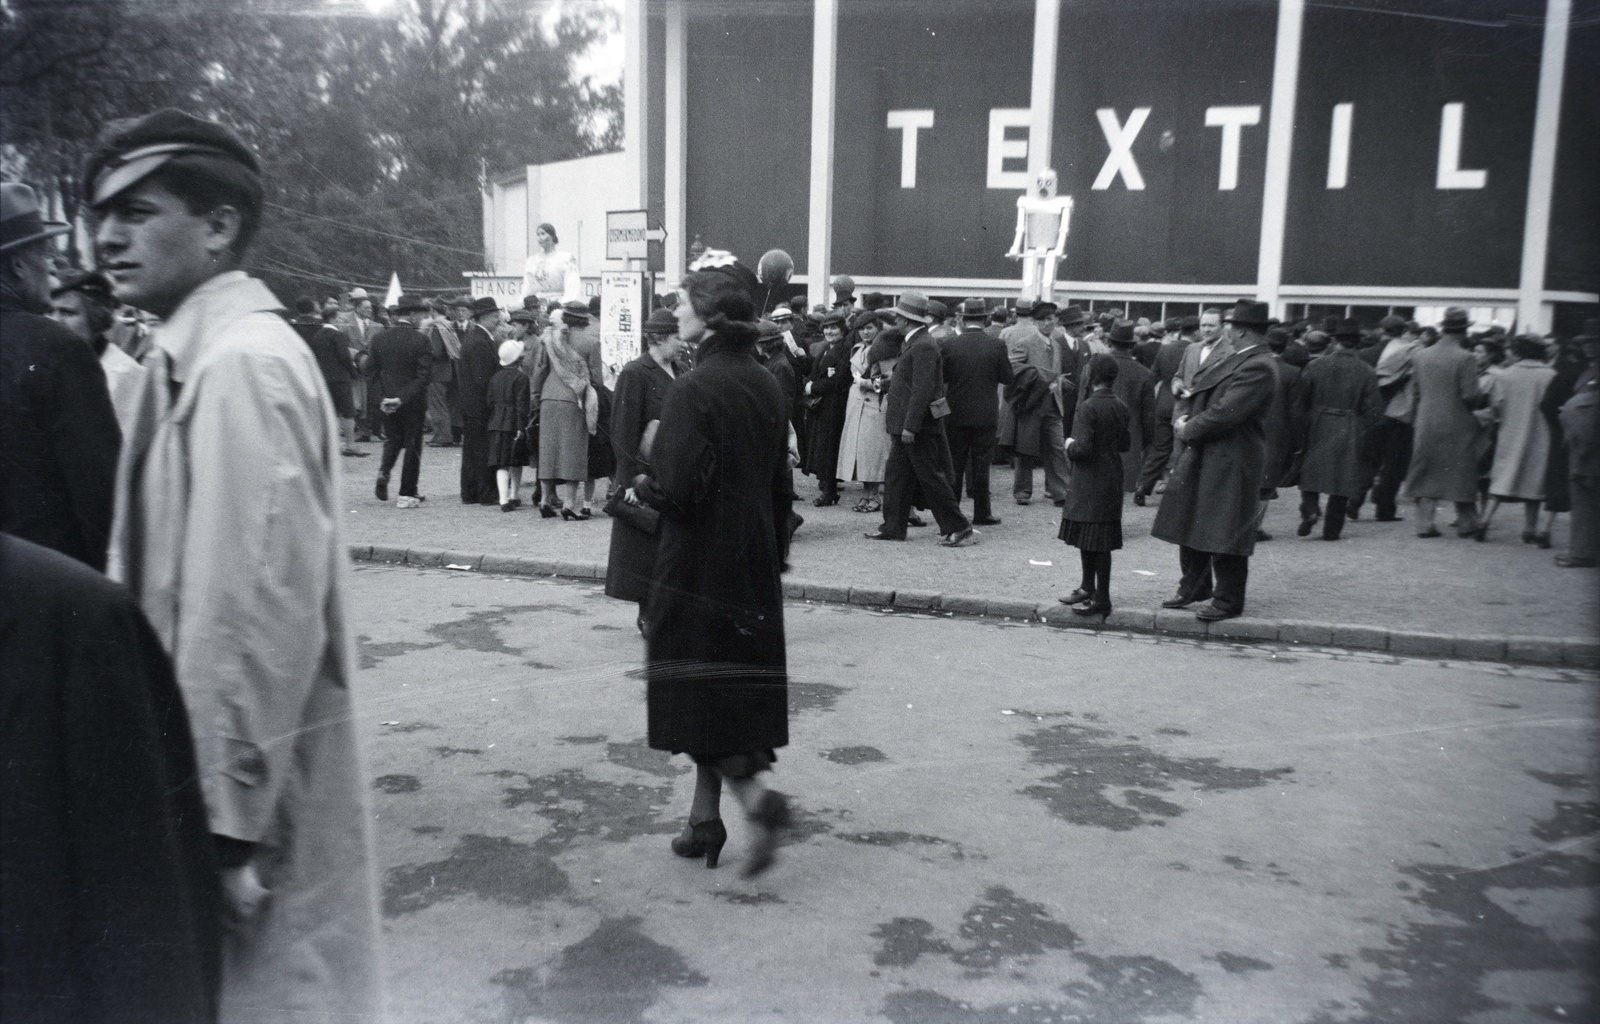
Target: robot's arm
1060, 247
1015, 252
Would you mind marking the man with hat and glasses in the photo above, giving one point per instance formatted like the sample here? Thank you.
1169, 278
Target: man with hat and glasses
60, 434
228, 533
919, 456
480, 361
975, 368
401, 367
1212, 506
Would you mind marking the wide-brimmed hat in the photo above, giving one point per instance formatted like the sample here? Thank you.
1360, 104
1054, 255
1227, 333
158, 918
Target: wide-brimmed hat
661, 322
1072, 315
974, 309
1250, 314
510, 352
938, 310
131, 149
1121, 333
914, 306
412, 304
1455, 319
21, 221
1024, 307
484, 304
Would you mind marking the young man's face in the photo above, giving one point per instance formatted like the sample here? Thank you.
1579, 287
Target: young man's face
68, 310
155, 252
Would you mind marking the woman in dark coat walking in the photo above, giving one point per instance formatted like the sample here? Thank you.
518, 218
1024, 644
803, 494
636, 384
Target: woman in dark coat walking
827, 398
717, 671
1091, 520
641, 388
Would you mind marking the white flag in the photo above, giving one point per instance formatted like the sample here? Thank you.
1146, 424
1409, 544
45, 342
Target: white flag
392, 296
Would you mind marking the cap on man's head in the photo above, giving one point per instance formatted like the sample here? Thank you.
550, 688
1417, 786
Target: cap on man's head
1072, 315
131, 149
357, 294
523, 316
21, 221
1044, 310
93, 284
781, 313
1393, 325
1174, 323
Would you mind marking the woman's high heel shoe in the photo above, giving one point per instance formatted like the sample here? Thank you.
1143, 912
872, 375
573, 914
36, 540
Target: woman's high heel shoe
771, 817
702, 839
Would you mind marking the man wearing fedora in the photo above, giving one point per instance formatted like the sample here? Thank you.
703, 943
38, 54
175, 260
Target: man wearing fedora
919, 456
1337, 404
228, 533
1444, 458
975, 368
59, 429
1212, 506
480, 361
401, 368
1038, 427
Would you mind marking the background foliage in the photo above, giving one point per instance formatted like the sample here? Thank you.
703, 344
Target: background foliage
375, 129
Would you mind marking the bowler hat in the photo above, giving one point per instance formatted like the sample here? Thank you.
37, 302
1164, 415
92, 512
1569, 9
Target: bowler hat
1072, 315
1455, 319
412, 304
484, 304
1121, 333
974, 309
661, 322
914, 306
1250, 314
131, 149
874, 300
20, 219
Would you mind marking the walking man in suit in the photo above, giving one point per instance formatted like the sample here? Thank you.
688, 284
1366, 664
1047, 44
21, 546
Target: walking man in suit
401, 368
975, 367
480, 361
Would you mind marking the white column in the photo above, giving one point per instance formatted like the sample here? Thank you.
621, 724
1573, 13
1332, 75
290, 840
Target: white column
824, 75
676, 124
1532, 312
1280, 144
1042, 95
634, 105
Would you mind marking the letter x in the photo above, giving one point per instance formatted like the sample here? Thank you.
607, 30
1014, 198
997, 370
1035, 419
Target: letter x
1120, 138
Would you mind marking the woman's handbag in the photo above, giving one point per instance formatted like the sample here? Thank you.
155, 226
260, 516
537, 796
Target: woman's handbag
641, 517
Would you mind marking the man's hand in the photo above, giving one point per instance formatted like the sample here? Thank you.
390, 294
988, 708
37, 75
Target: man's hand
631, 496
908, 436
390, 405
1179, 428
243, 895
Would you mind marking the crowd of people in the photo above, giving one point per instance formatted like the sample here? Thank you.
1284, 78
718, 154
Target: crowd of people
187, 833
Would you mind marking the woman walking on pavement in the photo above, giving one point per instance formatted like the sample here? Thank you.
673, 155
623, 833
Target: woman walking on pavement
716, 661
1091, 520
1522, 435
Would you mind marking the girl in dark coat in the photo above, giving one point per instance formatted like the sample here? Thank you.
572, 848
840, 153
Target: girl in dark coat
717, 675
641, 389
509, 407
827, 398
1091, 520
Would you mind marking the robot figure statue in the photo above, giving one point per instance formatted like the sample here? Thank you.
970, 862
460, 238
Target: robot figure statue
1042, 219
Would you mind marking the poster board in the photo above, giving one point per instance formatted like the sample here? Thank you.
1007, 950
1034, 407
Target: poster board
622, 315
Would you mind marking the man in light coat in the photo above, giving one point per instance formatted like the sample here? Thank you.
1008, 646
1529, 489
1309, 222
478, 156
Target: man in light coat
1038, 437
228, 535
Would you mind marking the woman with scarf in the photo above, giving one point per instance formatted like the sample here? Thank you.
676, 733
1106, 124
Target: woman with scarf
566, 379
716, 663
826, 394
864, 443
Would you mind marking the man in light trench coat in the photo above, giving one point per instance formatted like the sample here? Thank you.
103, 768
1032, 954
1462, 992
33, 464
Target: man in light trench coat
227, 532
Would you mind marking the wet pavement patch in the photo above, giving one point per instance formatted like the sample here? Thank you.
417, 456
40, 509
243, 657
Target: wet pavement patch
576, 806
427, 830
749, 899
1236, 963
405, 727
397, 784
601, 738
488, 867
370, 653
610, 977
480, 630
894, 839
808, 695
1094, 762
453, 751
1169, 731
855, 755
1560, 780
1570, 821
1440, 968
1119, 990
1000, 929
638, 755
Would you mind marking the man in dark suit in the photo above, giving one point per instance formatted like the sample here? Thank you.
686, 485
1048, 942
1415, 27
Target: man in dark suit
479, 362
975, 366
328, 344
400, 368
919, 456
1212, 507
58, 458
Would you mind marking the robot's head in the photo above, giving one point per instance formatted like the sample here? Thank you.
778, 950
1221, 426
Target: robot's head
1045, 185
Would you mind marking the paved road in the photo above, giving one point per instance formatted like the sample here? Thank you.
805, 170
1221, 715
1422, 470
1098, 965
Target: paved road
1381, 574
1001, 823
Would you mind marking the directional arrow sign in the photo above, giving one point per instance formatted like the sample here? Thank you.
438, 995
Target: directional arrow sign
629, 234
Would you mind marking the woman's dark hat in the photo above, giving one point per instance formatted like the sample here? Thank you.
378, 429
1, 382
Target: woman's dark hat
131, 149
21, 221
835, 318
662, 323
1250, 314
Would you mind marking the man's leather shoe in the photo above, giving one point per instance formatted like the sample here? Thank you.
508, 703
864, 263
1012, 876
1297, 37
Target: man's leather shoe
959, 538
916, 520
880, 535
382, 488
986, 521
1211, 613
1077, 597
1306, 523
1138, 498
1180, 600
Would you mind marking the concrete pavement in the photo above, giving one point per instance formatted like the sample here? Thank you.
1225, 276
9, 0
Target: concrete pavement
1082, 826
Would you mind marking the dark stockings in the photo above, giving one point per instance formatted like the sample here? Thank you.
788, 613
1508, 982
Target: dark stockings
1097, 575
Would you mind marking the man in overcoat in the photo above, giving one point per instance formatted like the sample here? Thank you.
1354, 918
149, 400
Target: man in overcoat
401, 368
1133, 388
1039, 434
1337, 405
228, 534
919, 455
975, 367
1212, 506
332, 352
480, 361
1158, 458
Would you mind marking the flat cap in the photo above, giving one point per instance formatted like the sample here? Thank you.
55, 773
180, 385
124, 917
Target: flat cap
131, 149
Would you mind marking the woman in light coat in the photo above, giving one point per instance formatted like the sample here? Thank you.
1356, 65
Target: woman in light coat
864, 445
1522, 443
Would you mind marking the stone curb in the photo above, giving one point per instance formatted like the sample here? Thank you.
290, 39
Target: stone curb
1529, 650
